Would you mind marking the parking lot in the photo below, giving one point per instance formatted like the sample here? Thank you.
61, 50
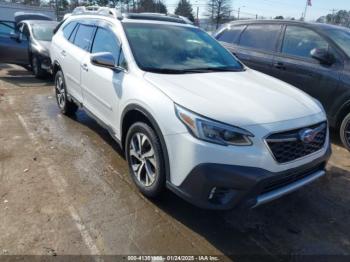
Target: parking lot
65, 190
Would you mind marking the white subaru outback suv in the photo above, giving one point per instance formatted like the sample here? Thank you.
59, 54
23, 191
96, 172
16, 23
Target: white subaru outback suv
187, 113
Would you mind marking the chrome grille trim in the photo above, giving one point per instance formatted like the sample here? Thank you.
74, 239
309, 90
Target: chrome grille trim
287, 146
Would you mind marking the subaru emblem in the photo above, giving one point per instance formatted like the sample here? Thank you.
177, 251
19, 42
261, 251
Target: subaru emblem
307, 135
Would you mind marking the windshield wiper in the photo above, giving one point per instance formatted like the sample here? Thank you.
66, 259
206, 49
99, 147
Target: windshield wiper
163, 70
213, 69
192, 70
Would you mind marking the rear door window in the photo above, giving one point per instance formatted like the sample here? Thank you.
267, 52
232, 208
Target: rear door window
83, 37
262, 37
299, 41
231, 35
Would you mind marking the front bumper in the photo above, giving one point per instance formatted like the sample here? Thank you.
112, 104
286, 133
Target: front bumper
45, 64
220, 186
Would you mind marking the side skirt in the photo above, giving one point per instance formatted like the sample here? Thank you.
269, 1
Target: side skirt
100, 122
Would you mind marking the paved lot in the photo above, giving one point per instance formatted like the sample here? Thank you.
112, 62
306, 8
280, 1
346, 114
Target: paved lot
65, 189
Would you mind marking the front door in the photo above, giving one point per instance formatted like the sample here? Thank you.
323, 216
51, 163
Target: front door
102, 86
295, 66
14, 43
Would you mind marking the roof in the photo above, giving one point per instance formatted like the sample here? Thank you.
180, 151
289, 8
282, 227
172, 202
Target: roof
280, 21
46, 22
20, 16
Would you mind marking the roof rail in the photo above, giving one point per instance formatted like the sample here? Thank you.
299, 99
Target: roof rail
97, 10
156, 17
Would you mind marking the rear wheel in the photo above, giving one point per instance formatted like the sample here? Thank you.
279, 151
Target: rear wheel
67, 107
144, 155
345, 131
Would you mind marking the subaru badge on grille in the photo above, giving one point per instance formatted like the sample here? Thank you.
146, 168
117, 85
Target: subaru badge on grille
308, 135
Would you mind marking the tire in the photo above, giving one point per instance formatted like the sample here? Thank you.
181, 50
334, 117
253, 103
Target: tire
36, 67
345, 131
66, 107
147, 170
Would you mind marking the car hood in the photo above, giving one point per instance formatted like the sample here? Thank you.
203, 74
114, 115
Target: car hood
43, 47
237, 98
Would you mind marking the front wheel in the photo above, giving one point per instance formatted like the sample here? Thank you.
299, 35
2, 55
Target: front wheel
144, 155
345, 131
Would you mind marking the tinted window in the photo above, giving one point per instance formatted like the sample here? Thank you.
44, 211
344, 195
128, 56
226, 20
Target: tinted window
6, 28
230, 35
341, 37
122, 61
67, 30
24, 32
83, 36
262, 37
105, 41
72, 35
299, 41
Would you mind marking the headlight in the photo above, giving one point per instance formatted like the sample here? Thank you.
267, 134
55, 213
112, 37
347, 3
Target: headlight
212, 131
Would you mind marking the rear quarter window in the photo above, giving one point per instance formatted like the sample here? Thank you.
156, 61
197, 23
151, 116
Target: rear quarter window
68, 29
262, 37
231, 35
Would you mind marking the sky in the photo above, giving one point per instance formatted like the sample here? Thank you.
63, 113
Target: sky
272, 8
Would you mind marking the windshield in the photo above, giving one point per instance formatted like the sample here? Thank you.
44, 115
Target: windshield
342, 38
43, 32
177, 49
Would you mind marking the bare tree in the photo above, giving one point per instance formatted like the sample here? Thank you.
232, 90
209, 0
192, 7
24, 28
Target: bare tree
219, 11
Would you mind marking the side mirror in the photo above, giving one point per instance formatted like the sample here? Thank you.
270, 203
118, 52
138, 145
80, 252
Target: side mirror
14, 36
105, 59
323, 56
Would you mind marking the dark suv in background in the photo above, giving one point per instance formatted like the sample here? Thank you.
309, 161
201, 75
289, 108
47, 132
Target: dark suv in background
313, 57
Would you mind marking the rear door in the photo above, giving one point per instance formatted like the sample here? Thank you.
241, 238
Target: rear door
14, 50
72, 55
257, 45
294, 65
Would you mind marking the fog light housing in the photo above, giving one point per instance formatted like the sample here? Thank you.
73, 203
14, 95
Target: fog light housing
221, 195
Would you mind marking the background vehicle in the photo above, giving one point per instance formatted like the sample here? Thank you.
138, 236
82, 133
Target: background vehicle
186, 112
312, 57
27, 43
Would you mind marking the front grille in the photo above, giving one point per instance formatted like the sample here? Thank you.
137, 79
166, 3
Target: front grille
291, 145
281, 181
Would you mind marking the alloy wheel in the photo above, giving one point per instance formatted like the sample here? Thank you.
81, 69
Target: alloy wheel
60, 92
347, 132
142, 159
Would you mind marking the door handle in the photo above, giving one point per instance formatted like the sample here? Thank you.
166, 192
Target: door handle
63, 53
279, 65
84, 67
